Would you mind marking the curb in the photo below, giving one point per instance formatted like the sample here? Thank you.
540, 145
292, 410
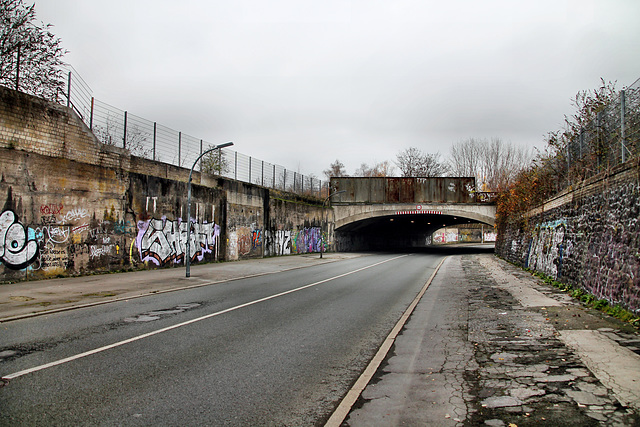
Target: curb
343, 409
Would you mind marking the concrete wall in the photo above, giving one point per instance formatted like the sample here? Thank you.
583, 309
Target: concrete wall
294, 226
588, 237
73, 206
464, 233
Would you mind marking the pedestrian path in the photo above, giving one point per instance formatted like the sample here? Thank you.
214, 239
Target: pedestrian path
489, 344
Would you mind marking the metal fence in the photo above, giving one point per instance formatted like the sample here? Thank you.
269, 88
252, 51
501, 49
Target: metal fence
148, 139
612, 138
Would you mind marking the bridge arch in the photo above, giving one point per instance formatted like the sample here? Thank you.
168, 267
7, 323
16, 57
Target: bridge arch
400, 227
347, 214
390, 213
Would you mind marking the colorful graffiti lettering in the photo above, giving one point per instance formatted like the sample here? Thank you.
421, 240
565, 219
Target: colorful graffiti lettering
18, 247
161, 241
285, 242
307, 240
256, 239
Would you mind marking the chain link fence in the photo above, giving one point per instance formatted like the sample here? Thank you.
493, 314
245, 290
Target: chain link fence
612, 138
144, 138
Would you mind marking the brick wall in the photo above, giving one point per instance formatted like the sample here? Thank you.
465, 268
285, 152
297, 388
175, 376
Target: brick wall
31, 124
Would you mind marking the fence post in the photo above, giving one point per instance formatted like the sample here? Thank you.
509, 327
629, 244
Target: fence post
622, 125
179, 147
249, 169
154, 140
69, 90
201, 155
273, 181
284, 180
235, 172
18, 68
262, 173
91, 116
124, 136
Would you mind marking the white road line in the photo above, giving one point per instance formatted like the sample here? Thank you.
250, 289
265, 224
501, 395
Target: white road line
179, 325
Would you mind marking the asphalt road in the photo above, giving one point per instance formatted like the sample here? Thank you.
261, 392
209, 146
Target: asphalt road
280, 349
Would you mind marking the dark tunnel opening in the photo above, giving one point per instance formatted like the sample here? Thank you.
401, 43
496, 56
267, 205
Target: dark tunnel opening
403, 233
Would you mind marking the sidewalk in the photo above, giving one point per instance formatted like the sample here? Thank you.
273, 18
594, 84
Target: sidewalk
26, 299
489, 344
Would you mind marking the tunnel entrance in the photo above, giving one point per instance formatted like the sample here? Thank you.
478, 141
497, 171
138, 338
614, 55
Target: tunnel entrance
395, 232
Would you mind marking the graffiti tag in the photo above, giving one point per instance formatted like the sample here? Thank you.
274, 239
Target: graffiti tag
51, 209
18, 247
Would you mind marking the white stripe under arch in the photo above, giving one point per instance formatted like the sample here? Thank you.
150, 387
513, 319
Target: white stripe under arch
418, 212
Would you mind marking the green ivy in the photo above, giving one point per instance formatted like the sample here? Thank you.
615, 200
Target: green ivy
590, 300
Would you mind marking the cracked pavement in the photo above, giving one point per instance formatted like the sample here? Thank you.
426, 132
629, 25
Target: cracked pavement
489, 344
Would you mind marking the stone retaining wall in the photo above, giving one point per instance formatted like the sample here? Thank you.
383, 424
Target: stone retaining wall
588, 237
73, 206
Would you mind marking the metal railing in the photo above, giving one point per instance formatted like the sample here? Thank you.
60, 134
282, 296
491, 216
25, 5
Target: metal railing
148, 139
612, 138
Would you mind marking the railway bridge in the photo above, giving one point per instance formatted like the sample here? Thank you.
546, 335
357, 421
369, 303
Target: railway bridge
379, 213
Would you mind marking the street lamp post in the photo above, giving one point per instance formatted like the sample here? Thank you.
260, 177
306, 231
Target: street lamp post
323, 204
188, 251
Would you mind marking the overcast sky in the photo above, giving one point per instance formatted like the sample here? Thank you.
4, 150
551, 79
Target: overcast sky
301, 83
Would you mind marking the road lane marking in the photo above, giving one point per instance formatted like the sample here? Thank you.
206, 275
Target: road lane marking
188, 322
344, 408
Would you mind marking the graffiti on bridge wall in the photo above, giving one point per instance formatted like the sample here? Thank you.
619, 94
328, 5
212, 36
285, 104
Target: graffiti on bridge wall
18, 247
161, 240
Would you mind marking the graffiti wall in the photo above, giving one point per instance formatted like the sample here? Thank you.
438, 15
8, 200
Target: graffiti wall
162, 241
464, 234
109, 225
547, 247
71, 205
59, 241
592, 242
287, 242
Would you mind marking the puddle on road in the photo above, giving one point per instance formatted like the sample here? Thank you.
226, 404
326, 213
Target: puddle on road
158, 314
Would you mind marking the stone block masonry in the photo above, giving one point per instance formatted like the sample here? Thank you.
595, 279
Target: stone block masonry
590, 240
73, 206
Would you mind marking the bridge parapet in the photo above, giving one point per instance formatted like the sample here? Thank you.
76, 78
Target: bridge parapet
391, 190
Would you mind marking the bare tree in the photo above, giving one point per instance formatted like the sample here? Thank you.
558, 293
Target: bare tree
414, 162
494, 163
379, 169
214, 162
335, 169
138, 141
30, 55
